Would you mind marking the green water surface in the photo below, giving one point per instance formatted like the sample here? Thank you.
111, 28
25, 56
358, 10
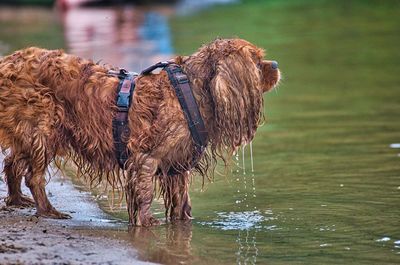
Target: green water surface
326, 182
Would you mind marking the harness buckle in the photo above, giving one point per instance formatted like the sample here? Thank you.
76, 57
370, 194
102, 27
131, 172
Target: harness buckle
123, 100
123, 72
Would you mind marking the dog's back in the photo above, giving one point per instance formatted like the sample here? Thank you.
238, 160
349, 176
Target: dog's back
49, 94
25, 105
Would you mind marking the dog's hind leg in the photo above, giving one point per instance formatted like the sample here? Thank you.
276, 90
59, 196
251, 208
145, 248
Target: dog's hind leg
14, 168
35, 179
176, 196
140, 190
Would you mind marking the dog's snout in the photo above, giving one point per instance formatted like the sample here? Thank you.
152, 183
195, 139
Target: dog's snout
274, 65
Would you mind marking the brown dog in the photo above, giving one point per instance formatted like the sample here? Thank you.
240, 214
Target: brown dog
56, 105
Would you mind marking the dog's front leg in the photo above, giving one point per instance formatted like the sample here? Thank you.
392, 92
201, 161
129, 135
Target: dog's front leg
140, 190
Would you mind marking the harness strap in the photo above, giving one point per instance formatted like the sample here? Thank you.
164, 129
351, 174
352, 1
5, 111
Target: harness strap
183, 91
120, 126
150, 69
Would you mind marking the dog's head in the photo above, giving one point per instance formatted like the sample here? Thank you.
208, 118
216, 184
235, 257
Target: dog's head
234, 75
250, 58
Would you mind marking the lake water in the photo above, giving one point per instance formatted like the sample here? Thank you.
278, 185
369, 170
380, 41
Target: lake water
326, 182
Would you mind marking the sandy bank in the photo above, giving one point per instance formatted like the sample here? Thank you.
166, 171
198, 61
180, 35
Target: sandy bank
87, 238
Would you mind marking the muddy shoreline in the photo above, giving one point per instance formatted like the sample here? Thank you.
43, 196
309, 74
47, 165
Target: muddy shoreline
90, 237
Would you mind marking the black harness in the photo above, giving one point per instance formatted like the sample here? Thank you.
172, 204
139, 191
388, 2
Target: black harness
120, 126
188, 103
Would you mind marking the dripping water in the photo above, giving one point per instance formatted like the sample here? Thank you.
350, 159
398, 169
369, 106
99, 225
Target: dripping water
237, 173
247, 245
244, 175
244, 165
253, 184
251, 157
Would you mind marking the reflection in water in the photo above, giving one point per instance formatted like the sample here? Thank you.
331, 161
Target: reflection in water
187, 7
127, 37
170, 244
247, 251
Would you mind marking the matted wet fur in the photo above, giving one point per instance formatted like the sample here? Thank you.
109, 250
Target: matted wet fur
57, 105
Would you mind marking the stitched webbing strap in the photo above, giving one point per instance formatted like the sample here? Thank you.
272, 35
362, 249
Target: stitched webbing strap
183, 91
120, 122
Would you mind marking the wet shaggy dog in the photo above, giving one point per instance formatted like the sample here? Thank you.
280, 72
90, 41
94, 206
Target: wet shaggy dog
56, 105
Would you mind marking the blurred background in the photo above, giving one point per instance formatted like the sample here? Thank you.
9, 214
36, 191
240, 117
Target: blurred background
321, 183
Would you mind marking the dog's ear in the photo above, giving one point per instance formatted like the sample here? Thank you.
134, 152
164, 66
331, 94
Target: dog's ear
237, 95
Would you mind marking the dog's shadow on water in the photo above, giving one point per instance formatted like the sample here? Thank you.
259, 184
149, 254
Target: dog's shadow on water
166, 244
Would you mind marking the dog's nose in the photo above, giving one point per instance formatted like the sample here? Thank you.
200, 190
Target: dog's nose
274, 65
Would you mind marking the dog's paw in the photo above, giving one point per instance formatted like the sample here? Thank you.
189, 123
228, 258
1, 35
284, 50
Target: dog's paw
19, 201
53, 214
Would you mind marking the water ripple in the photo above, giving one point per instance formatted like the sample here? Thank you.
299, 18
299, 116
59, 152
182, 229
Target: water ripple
238, 220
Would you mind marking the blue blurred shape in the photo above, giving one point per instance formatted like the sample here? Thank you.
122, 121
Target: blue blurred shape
155, 29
